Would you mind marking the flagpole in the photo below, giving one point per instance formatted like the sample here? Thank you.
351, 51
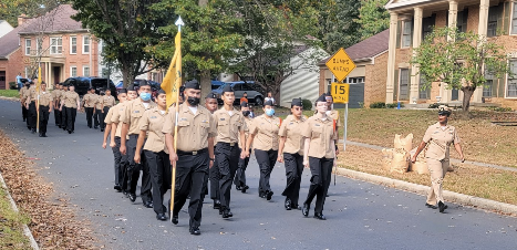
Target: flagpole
178, 23
38, 87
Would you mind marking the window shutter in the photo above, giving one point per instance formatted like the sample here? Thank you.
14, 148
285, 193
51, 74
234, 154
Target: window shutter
499, 18
399, 35
507, 9
465, 20
396, 86
501, 86
412, 31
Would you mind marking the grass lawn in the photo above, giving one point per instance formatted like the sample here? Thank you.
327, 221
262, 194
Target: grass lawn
11, 226
9, 92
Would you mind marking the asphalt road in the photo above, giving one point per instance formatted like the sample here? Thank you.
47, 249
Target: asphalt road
359, 215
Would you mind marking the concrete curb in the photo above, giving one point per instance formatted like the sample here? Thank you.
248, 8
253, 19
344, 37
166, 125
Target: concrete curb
26, 229
461, 199
14, 99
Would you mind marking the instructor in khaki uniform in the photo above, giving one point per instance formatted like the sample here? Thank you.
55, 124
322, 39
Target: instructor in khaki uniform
231, 126
44, 107
439, 136
194, 154
72, 104
88, 104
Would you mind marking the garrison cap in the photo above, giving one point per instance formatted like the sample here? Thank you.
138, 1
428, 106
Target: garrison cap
244, 104
297, 102
160, 92
90, 88
268, 103
211, 95
145, 83
228, 88
444, 110
122, 91
131, 88
322, 98
192, 85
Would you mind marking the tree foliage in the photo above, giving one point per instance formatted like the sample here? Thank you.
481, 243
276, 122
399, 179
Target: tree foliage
461, 60
373, 17
10, 10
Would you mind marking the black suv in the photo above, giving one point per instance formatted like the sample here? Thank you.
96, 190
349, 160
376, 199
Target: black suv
82, 84
254, 91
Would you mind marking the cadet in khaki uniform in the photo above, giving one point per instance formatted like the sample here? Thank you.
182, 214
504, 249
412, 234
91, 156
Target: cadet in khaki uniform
97, 115
64, 91
291, 153
334, 115
31, 100
56, 98
24, 95
88, 104
108, 101
265, 129
319, 155
44, 106
240, 175
132, 114
155, 151
112, 132
439, 136
72, 104
230, 129
193, 156
213, 172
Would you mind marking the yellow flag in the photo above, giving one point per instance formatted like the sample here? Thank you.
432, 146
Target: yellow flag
39, 80
172, 81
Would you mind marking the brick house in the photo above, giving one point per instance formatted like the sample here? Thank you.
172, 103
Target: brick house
411, 20
10, 57
368, 79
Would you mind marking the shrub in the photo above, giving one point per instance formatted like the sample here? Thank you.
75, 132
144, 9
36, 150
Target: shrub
13, 85
307, 105
436, 105
378, 105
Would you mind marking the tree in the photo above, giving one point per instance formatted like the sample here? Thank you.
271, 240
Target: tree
337, 23
461, 60
128, 29
373, 17
10, 10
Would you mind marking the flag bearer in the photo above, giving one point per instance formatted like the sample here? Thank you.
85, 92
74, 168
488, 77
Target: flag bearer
44, 106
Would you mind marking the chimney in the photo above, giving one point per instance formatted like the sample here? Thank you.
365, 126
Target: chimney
21, 19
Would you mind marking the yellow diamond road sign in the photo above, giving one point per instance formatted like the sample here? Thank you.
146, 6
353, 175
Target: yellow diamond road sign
340, 65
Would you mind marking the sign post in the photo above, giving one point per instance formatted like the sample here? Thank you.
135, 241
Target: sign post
340, 64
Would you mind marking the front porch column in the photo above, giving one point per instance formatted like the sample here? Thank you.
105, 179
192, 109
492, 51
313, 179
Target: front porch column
390, 81
417, 41
453, 19
484, 6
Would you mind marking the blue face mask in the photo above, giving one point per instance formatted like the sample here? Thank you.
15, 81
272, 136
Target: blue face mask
145, 96
270, 112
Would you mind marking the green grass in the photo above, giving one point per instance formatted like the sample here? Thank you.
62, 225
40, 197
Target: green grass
11, 226
9, 92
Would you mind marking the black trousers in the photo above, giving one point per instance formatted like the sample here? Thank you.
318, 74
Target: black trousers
57, 117
89, 116
227, 158
266, 161
213, 174
43, 118
160, 170
63, 118
103, 116
117, 157
133, 170
25, 113
240, 175
97, 115
70, 118
321, 170
293, 172
122, 173
32, 115
191, 180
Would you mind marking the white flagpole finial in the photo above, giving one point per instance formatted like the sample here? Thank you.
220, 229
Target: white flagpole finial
179, 23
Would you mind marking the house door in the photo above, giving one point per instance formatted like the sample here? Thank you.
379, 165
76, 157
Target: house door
2, 79
56, 71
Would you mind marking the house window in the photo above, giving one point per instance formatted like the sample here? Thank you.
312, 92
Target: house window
427, 26
494, 14
406, 34
461, 22
39, 44
404, 84
423, 93
86, 44
27, 71
514, 19
56, 45
86, 71
489, 85
28, 46
73, 71
512, 80
73, 45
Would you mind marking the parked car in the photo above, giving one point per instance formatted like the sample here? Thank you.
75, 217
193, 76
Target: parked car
217, 84
255, 92
82, 84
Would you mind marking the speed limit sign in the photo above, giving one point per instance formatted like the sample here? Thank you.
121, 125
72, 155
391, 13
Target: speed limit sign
340, 92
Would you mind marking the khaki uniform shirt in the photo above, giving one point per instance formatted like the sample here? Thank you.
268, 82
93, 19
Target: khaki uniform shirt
266, 132
56, 95
193, 130
108, 118
24, 94
32, 93
321, 133
118, 111
228, 127
152, 122
248, 121
133, 113
71, 98
89, 100
97, 101
439, 140
45, 99
292, 129
109, 101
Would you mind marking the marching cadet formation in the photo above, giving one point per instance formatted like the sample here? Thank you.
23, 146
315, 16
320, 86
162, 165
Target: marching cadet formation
211, 145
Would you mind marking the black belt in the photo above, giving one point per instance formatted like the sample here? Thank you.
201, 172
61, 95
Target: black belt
196, 152
228, 144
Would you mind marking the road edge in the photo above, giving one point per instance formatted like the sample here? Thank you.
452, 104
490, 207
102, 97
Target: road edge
26, 231
9, 98
461, 199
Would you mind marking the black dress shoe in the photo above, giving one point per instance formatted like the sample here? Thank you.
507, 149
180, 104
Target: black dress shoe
430, 206
217, 204
102, 130
287, 204
226, 213
175, 219
263, 196
442, 206
161, 216
268, 195
238, 188
244, 189
194, 231
305, 209
44, 135
319, 216
33, 131
148, 204
69, 131
40, 135
96, 127
296, 207
132, 197
118, 188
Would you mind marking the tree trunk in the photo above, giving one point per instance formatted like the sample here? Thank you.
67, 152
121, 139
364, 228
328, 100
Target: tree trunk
127, 75
206, 85
468, 91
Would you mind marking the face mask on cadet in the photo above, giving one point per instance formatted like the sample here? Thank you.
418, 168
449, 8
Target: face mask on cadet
145, 96
245, 113
270, 112
193, 100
